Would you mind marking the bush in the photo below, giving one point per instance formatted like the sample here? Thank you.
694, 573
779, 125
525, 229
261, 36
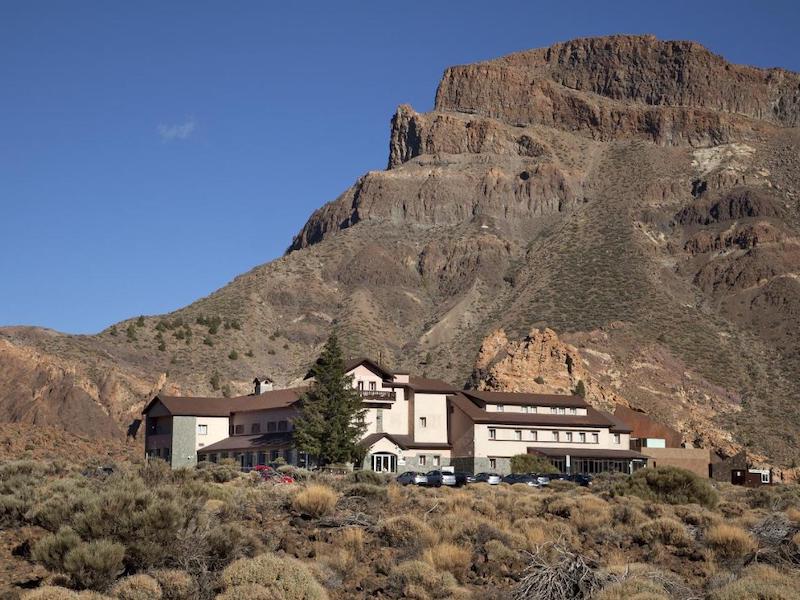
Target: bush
51, 549
634, 588
729, 542
365, 476
664, 530
407, 531
530, 463
137, 587
282, 578
315, 501
175, 584
759, 582
451, 558
366, 490
670, 485
94, 565
418, 579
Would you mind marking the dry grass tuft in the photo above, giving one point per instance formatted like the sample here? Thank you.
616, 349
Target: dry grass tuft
451, 558
407, 531
665, 531
315, 501
729, 542
137, 587
759, 582
419, 580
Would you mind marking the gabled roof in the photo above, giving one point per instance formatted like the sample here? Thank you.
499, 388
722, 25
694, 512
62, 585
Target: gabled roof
251, 442
406, 442
224, 407
482, 397
475, 411
351, 364
619, 425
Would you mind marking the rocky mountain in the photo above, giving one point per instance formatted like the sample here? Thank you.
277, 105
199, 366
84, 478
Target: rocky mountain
639, 197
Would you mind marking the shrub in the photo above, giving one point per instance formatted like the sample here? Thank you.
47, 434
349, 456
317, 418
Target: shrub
670, 485
451, 558
137, 587
418, 579
759, 582
556, 572
664, 530
175, 584
634, 588
50, 592
234, 355
283, 578
94, 565
407, 531
530, 463
590, 513
315, 501
51, 549
365, 476
729, 542
366, 490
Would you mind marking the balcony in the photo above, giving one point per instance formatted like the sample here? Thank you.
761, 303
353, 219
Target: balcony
377, 395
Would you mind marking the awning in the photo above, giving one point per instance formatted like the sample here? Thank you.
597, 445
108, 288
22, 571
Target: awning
251, 442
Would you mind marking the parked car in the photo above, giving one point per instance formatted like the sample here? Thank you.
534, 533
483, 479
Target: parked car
463, 479
582, 479
490, 478
525, 478
541, 479
559, 476
440, 478
411, 478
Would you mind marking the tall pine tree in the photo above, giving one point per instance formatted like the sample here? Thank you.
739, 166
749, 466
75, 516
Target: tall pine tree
331, 420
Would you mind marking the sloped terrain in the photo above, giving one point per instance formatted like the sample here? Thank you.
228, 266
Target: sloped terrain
636, 196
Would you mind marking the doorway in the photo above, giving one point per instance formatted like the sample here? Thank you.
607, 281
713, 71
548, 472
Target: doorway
384, 462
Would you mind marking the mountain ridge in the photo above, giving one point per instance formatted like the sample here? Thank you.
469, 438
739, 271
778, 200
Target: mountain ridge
565, 187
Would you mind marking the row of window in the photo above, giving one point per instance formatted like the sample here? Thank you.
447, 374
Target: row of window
159, 453
554, 410
435, 461
272, 426
581, 437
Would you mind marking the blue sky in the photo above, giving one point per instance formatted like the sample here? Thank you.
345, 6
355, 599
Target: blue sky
151, 151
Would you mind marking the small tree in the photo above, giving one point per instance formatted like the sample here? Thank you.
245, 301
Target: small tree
530, 463
331, 418
580, 389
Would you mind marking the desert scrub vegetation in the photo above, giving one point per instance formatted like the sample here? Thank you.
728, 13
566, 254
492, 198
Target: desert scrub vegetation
669, 485
213, 532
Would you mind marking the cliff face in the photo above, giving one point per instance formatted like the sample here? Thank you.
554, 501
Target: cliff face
636, 196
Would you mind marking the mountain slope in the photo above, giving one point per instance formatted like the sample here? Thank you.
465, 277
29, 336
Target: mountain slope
639, 197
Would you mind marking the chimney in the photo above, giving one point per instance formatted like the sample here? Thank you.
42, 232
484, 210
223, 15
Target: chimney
263, 384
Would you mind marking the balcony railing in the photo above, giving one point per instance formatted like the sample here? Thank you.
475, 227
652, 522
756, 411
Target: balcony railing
377, 395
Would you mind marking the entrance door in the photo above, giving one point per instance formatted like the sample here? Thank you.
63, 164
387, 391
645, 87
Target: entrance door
384, 462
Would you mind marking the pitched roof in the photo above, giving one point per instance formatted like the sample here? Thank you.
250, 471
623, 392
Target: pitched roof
525, 399
352, 363
424, 384
476, 412
619, 425
406, 442
585, 453
224, 407
250, 442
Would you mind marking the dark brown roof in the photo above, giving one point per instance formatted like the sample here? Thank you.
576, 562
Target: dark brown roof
404, 441
223, 407
525, 399
553, 452
351, 364
423, 385
643, 426
619, 425
250, 442
592, 418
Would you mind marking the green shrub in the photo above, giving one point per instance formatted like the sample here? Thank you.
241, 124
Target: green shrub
175, 584
531, 463
664, 530
52, 548
137, 587
283, 578
94, 565
366, 490
234, 355
759, 582
418, 579
670, 485
365, 476
407, 531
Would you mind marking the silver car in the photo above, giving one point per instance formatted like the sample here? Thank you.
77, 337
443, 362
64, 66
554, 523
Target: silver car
440, 478
490, 478
412, 478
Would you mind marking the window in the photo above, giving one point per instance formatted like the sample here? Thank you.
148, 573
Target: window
282, 425
616, 438
238, 429
526, 409
223, 455
492, 463
360, 386
255, 428
595, 438
500, 408
582, 437
271, 426
273, 455
262, 458
372, 386
518, 435
568, 435
555, 436
534, 409
573, 411
553, 410
423, 421
213, 458
202, 457
493, 434
534, 436
436, 460
562, 410
202, 430
765, 477
422, 460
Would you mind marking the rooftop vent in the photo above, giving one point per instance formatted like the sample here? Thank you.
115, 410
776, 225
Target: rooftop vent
262, 384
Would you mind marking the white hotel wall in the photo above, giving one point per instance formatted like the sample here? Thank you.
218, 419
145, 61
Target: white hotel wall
395, 416
505, 445
217, 430
433, 407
